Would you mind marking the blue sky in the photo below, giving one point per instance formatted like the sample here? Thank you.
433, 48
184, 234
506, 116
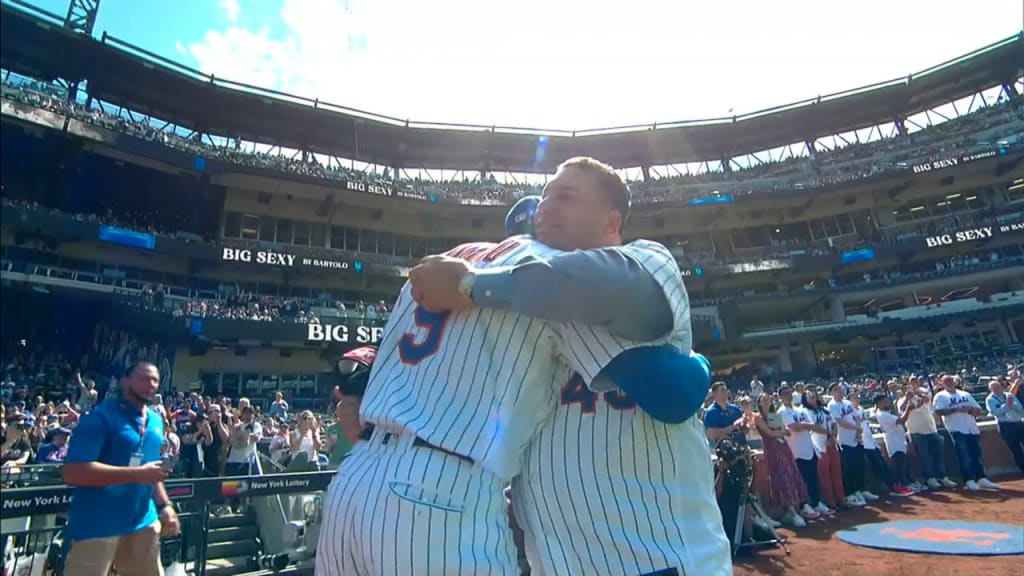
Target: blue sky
561, 64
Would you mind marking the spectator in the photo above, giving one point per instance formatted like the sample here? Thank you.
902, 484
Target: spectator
789, 454
1009, 416
338, 444
16, 449
826, 447
895, 432
280, 445
279, 407
851, 451
872, 454
55, 449
305, 440
186, 426
924, 435
214, 435
958, 410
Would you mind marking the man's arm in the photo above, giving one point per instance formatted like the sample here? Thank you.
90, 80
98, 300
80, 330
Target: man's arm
81, 468
606, 288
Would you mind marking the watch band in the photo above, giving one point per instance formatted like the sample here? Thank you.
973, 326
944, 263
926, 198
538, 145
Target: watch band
466, 284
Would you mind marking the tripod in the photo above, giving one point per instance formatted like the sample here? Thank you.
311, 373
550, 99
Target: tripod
736, 473
739, 542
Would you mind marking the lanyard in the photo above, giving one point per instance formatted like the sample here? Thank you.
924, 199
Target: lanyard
142, 429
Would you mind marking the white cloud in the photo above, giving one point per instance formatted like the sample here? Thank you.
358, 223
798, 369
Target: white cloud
180, 48
579, 64
232, 9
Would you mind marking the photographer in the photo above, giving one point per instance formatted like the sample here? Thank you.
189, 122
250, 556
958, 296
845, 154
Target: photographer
245, 433
214, 435
924, 434
306, 440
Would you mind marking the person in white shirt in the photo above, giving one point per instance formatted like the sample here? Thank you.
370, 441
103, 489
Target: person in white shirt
958, 409
924, 434
826, 446
873, 455
894, 428
851, 451
800, 425
1009, 415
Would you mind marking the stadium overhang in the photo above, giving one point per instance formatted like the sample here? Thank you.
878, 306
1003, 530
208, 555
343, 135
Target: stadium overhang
125, 75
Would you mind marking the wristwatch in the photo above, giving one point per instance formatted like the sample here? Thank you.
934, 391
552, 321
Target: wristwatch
466, 284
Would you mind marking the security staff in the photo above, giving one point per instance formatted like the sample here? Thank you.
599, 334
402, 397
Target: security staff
119, 508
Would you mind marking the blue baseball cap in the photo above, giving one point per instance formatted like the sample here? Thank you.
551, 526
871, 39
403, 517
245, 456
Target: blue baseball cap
519, 219
667, 384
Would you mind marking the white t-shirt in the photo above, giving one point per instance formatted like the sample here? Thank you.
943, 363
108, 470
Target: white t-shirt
960, 421
242, 450
842, 411
867, 438
895, 433
922, 418
799, 440
821, 419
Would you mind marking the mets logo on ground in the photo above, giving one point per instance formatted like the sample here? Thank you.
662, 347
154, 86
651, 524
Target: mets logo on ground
234, 487
939, 537
949, 535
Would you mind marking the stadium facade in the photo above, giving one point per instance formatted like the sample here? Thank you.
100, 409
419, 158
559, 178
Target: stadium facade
877, 229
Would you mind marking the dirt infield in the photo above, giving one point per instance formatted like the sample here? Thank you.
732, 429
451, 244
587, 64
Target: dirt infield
816, 551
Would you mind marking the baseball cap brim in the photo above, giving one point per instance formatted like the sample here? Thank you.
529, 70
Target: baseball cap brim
668, 385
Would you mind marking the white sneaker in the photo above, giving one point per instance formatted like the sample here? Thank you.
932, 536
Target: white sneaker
821, 508
948, 483
918, 487
986, 483
973, 486
855, 501
933, 484
808, 512
796, 521
865, 495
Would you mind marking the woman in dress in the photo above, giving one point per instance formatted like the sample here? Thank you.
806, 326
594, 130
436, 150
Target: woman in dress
785, 487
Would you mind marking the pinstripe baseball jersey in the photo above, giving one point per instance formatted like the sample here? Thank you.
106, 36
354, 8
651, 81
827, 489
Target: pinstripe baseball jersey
476, 383
605, 488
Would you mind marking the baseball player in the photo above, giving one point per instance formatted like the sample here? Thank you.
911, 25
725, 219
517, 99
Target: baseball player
606, 488
459, 386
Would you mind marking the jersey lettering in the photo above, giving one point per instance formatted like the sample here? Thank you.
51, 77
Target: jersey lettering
502, 249
575, 391
433, 323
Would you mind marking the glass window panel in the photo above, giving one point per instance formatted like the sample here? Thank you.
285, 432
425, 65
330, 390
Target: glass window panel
386, 243
232, 225
284, 231
338, 237
352, 239
301, 233
250, 227
268, 228
318, 235
368, 241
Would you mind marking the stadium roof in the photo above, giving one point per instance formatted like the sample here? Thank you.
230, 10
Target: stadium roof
36, 45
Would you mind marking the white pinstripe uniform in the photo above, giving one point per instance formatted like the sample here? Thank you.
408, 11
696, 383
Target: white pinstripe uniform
456, 382
605, 488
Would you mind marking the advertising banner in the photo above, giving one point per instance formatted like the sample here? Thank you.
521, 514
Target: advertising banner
951, 161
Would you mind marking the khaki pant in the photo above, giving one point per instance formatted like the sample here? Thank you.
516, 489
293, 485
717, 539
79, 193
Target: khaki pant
135, 554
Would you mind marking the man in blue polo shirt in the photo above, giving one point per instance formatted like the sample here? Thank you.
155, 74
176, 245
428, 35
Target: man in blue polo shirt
119, 507
724, 419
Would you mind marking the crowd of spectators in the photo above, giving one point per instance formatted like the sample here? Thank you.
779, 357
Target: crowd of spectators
819, 444
243, 305
821, 167
43, 392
